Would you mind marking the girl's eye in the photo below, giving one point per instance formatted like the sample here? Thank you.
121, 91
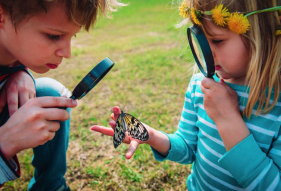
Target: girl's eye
216, 41
54, 37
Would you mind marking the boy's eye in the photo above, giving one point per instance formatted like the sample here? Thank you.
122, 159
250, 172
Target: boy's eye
53, 37
216, 41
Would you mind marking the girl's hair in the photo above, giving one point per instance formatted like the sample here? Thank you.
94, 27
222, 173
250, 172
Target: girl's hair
82, 12
263, 75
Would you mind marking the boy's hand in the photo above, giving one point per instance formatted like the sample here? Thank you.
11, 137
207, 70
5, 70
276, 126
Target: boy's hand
134, 143
33, 124
17, 90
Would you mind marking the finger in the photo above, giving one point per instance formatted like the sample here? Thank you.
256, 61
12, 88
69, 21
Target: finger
49, 102
12, 100
112, 124
54, 114
52, 135
208, 83
3, 99
23, 98
52, 126
116, 112
229, 89
132, 148
203, 89
103, 130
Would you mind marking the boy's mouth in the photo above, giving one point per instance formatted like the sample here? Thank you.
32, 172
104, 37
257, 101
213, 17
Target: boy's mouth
52, 66
217, 67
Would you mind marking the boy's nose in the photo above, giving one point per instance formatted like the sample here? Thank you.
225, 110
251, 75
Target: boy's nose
64, 51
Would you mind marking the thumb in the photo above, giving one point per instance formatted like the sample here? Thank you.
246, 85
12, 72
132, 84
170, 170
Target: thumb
132, 148
229, 89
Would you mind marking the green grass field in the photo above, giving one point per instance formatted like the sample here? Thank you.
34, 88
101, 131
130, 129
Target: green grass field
152, 71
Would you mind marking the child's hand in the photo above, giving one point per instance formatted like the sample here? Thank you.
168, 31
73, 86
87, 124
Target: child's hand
221, 105
17, 90
220, 100
33, 124
134, 143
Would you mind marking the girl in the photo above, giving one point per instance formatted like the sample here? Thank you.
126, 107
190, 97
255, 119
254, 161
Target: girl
230, 126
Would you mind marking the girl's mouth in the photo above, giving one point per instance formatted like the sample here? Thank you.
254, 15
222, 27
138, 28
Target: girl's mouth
217, 67
52, 66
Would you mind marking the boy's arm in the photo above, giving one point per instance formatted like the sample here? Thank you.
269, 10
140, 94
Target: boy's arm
9, 170
184, 140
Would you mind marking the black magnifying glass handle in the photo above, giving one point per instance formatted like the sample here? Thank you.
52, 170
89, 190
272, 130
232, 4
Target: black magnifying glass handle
90, 80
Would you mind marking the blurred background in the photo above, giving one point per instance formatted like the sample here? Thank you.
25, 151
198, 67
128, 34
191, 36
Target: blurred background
152, 70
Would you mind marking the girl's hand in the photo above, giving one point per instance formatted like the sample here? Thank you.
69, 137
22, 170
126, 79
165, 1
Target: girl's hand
17, 90
134, 143
220, 100
222, 106
157, 140
33, 124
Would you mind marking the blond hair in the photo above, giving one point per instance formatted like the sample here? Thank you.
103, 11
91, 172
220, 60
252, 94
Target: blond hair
82, 12
263, 75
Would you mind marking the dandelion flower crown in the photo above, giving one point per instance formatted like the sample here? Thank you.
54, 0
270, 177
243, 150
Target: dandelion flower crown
236, 22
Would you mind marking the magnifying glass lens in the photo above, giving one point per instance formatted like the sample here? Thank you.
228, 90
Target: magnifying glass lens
199, 53
201, 50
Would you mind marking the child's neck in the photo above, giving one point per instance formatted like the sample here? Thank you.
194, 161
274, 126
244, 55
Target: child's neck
6, 58
238, 81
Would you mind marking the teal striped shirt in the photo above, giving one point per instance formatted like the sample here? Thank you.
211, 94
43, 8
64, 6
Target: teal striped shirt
253, 164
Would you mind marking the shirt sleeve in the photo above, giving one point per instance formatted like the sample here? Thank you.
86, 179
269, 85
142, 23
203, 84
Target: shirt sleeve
184, 140
9, 170
251, 167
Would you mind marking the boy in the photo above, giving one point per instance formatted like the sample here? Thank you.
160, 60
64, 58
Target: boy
37, 34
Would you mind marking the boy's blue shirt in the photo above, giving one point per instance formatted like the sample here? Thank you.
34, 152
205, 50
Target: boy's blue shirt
9, 170
253, 164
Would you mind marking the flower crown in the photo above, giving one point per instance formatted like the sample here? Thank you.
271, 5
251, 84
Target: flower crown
236, 22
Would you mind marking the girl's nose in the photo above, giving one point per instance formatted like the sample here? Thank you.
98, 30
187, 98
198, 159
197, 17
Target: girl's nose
64, 50
214, 55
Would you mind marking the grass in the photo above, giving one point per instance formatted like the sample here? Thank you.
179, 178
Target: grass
150, 77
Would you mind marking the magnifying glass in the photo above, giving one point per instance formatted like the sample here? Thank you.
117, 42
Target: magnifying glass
92, 79
201, 51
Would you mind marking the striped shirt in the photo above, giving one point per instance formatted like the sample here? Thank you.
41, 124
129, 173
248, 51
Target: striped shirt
253, 164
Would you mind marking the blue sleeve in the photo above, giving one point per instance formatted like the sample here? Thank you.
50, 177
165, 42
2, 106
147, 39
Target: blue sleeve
184, 140
8, 170
30, 75
251, 167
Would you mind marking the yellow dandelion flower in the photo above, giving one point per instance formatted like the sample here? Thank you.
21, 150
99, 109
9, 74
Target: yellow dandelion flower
184, 9
278, 32
238, 23
196, 16
220, 15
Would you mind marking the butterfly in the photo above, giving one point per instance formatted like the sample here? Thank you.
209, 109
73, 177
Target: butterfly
126, 122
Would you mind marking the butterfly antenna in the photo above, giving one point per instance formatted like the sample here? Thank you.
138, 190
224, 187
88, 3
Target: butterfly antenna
124, 106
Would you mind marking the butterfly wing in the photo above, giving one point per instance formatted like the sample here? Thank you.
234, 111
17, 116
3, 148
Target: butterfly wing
119, 132
135, 128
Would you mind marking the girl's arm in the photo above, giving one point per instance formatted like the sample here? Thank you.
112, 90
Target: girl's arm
221, 105
179, 147
252, 168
